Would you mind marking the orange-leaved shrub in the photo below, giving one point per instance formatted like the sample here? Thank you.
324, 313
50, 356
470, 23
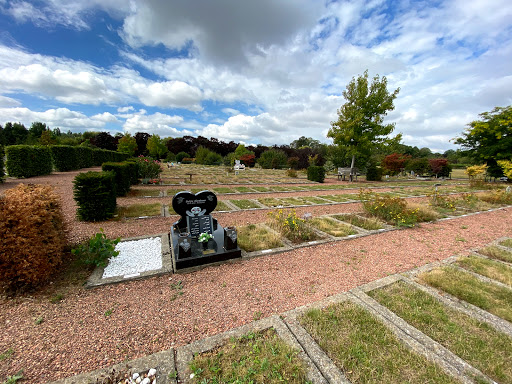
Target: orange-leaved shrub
32, 233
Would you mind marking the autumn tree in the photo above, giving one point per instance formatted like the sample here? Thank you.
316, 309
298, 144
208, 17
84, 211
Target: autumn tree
360, 127
395, 162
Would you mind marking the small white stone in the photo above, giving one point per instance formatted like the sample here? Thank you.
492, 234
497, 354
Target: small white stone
152, 372
138, 380
146, 381
135, 375
154, 381
192, 375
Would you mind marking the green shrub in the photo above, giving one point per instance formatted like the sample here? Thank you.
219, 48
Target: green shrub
32, 233
291, 173
95, 194
316, 173
98, 250
373, 172
148, 168
28, 160
133, 169
213, 158
65, 157
123, 177
181, 155
2, 172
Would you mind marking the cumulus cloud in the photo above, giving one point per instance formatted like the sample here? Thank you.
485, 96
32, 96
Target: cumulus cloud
157, 123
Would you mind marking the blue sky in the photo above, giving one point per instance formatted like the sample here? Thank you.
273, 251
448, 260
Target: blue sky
258, 72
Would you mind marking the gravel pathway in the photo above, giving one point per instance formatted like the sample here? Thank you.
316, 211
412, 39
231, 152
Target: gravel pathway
90, 329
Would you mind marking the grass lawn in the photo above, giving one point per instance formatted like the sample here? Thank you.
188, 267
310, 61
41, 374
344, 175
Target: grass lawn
138, 210
271, 202
261, 189
368, 224
258, 357
141, 192
489, 297
490, 268
244, 189
221, 206
497, 253
245, 204
365, 349
332, 227
254, 237
475, 342
313, 200
223, 190
294, 201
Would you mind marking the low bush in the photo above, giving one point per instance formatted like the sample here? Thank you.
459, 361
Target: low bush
98, 250
32, 233
148, 168
95, 194
496, 196
123, 177
181, 155
188, 160
291, 173
290, 226
316, 173
2, 172
393, 210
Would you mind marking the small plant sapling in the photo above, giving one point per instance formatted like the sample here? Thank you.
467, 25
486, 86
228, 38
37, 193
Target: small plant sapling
98, 250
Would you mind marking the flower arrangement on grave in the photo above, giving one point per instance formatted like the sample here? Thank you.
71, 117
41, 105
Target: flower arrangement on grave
204, 237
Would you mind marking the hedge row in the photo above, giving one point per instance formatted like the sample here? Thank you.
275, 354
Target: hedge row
122, 176
28, 161
32, 234
2, 173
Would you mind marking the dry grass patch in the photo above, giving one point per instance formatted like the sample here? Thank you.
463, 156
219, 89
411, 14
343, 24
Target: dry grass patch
332, 227
490, 297
245, 204
271, 202
424, 213
369, 224
477, 343
222, 206
497, 253
293, 201
254, 237
258, 357
141, 192
507, 243
365, 349
139, 210
490, 268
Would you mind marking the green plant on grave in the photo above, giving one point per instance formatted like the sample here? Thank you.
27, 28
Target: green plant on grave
291, 226
98, 250
14, 378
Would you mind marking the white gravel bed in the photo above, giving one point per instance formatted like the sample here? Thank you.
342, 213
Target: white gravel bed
134, 257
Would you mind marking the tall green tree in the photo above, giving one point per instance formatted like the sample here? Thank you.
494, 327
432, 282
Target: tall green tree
490, 138
127, 144
360, 126
156, 147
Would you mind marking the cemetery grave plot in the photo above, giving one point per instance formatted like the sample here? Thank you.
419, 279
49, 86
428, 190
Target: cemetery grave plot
244, 189
257, 357
488, 296
361, 222
341, 198
475, 342
487, 267
258, 237
139, 210
224, 190
332, 227
365, 349
294, 201
244, 204
271, 202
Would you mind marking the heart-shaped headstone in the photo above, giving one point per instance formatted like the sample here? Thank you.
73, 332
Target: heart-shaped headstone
187, 204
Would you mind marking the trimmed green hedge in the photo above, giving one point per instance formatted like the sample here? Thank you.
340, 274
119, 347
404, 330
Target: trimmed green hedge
316, 173
28, 160
65, 157
134, 170
95, 194
2, 172
85, 157
122, 172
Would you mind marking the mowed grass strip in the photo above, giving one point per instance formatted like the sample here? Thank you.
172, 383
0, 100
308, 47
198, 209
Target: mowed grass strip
332, 227
271, 202
365, 349
497, 253
221, 206
507, 243
138, 210
294, 201
245, 204
477, 343
368, 224
254, 237
223, 190
490, 297
490, 268
260, 357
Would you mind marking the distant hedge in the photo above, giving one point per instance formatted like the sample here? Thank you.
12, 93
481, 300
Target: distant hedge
28, 160
95, 194
85, 157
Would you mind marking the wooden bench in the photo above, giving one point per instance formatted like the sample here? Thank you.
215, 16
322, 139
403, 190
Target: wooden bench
343, 172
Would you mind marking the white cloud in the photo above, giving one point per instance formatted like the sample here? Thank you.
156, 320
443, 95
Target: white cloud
9, 102
157, 123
